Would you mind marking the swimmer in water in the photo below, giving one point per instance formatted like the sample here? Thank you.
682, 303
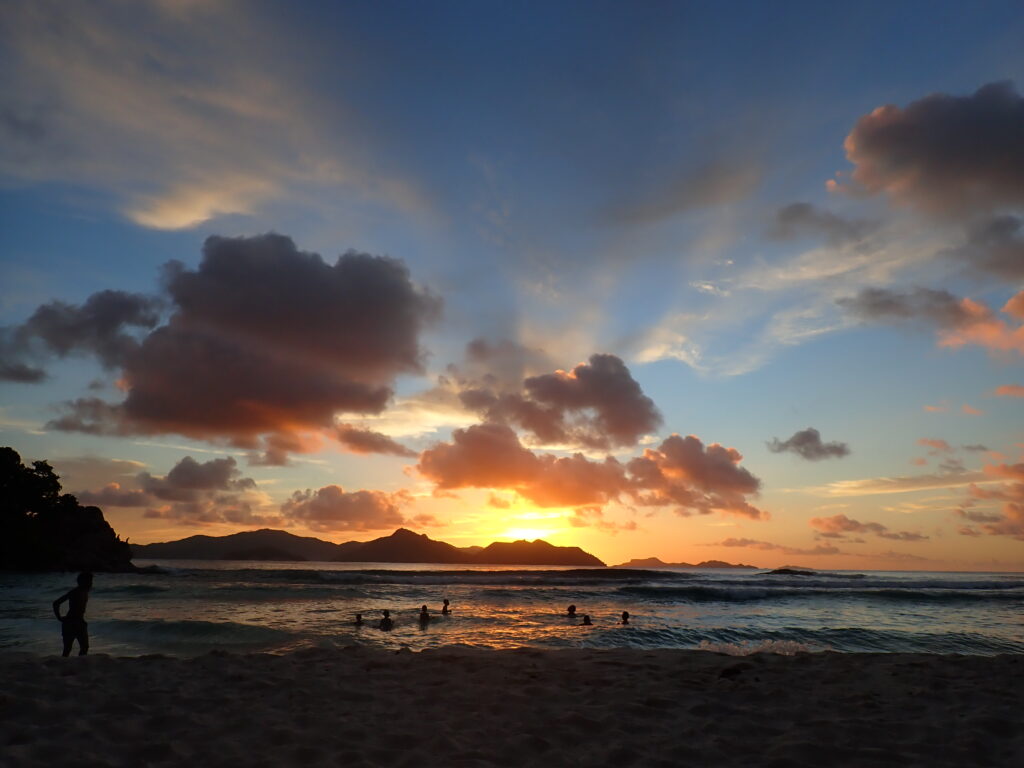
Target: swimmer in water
586, 620
571, 612
625, 617
359, 620
386, 623
444, 608
424, 615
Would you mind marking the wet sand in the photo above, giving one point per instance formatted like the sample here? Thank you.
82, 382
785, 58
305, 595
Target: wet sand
459, 707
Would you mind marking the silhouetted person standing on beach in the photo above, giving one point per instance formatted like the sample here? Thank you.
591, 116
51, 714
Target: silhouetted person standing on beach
444, 608
386, 623
73, 626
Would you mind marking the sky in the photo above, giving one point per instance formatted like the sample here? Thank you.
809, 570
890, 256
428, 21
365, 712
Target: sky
687, 280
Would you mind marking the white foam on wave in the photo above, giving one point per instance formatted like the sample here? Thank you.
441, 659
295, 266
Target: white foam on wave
780, 647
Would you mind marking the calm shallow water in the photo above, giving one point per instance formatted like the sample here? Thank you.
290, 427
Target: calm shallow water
198, 606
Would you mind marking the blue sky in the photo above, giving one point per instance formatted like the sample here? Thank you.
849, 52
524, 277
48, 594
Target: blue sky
572, 178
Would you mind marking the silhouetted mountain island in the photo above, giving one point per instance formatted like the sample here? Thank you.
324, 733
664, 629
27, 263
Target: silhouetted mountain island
403, 546
536, 552
42, 529
247, 545
653, 562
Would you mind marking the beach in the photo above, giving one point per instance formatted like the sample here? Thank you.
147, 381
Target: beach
369, 706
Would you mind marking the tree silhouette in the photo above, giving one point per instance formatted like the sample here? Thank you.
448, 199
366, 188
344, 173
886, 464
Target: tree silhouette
42, 529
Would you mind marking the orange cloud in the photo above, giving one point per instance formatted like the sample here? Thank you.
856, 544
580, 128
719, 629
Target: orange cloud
681, 472
1009, 521
937, 446
982, 327
838, 526
1010, 390
970, 410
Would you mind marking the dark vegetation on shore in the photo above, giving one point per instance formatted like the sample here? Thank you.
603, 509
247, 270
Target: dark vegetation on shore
42, 529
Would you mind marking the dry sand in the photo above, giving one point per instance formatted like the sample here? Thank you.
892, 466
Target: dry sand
363, 706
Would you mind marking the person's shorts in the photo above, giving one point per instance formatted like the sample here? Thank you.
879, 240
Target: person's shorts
77, 630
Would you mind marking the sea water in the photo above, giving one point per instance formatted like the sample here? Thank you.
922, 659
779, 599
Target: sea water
191, 607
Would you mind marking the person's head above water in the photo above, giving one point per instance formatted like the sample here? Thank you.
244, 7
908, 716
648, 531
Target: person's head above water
571, 610
445, 601
586, 618
423, 609
625, 617
386, 613
85, 580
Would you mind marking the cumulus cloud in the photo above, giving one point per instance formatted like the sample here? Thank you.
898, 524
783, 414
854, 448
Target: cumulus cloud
597, 404
331, 508
97, 327
266, 339
213, 491
768, 546
359, 440
943, 154
799, 220
839, 526
807, 444
681, 472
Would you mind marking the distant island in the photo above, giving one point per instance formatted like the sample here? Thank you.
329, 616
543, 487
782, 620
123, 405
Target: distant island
402, 546
653, 562
42, 529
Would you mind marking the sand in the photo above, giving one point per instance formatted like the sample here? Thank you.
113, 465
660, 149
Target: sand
458, 707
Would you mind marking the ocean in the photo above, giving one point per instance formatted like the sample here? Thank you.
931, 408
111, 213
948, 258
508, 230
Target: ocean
193, 607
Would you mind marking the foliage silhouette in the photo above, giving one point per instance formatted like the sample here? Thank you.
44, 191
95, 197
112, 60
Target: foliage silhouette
42, 529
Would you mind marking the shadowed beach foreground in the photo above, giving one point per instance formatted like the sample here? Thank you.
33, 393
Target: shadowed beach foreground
362, 706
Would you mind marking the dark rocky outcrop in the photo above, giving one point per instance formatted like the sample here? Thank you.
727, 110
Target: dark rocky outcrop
42, 529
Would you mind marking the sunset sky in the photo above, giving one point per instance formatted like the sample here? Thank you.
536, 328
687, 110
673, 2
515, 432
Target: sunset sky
689, 280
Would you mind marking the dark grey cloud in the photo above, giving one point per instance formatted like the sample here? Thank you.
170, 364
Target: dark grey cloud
807, 444
805, 220
947, 155
880, 305
266, 341
359, 440
57, 329
994, 246
598, 404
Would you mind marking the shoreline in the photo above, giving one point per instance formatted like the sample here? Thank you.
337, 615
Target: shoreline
363, 706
